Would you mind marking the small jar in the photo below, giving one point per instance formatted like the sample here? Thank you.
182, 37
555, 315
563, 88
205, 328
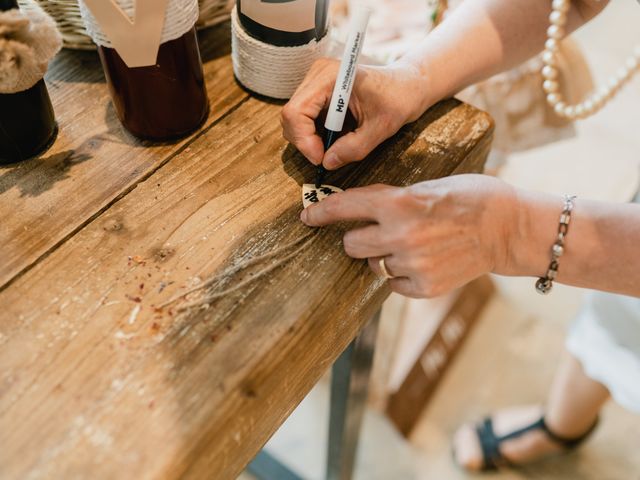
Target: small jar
27, 122
167, 99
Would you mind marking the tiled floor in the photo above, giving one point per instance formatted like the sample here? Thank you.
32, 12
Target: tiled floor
511, 355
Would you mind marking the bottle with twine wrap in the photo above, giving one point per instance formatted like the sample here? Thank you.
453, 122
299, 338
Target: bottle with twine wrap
274, 44
28, 41
150, 56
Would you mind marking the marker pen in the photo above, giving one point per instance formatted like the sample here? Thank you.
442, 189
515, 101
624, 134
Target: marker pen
344, 82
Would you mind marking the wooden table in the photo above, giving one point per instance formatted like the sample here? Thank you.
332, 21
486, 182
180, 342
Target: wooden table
98, 382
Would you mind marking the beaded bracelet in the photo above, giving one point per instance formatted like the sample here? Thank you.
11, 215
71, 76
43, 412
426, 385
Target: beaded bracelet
545, 284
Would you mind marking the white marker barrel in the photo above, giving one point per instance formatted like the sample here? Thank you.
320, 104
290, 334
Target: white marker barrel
348, 68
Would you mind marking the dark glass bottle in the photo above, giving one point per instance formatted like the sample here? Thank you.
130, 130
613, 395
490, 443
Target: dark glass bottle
285, 38
27, 122
163, 101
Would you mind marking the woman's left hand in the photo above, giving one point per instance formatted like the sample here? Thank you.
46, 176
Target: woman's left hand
434, 236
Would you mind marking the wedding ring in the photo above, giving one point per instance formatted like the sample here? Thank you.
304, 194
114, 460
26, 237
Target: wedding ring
383, 269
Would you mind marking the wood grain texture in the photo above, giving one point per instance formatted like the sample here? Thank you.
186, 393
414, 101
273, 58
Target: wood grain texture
94, 160
97, 383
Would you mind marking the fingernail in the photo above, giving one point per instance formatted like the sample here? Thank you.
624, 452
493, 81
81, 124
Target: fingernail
331, 161
303, 215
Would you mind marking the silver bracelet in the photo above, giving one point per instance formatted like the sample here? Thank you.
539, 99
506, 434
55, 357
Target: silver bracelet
545, 284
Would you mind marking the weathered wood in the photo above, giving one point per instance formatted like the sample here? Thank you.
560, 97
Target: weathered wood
94, 160
97, 383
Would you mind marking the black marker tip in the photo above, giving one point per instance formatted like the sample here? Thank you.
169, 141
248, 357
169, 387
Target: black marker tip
320, 173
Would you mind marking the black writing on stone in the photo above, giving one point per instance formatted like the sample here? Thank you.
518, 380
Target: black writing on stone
327, 191
312, 196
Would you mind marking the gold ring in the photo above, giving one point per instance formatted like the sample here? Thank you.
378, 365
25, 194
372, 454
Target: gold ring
383, 268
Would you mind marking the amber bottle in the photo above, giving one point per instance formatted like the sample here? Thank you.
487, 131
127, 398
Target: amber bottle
27, 122
164, 101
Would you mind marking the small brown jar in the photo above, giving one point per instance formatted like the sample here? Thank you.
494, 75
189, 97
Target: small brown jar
164, 101
27, 122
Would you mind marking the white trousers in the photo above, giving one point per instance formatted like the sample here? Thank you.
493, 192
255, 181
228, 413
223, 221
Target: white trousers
605, 338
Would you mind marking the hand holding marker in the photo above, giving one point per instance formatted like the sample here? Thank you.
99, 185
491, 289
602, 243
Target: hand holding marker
344, 83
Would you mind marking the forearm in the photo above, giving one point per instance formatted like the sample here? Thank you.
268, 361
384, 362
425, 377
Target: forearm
484, 37
602, 248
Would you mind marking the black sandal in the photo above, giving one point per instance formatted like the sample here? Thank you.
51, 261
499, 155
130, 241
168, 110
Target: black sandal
490, 442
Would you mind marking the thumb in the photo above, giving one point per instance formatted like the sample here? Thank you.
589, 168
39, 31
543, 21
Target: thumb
353, 147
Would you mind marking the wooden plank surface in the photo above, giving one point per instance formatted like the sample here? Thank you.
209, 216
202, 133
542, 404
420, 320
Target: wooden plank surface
94, 160
96, 381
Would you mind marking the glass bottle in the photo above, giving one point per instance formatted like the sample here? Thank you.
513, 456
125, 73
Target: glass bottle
27, 122
164, 101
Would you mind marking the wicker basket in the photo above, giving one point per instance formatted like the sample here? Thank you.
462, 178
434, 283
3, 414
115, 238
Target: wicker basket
67, 15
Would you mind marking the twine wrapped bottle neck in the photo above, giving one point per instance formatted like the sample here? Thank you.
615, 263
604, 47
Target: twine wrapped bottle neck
180, 17
271, 70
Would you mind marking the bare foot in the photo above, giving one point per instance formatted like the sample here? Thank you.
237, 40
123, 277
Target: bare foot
526, 448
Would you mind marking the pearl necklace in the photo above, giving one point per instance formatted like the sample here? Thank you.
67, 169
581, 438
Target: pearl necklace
597, 100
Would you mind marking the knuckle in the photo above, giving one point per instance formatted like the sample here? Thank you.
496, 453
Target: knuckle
349, 241
287, 114
350, 250
404, 237
402, 197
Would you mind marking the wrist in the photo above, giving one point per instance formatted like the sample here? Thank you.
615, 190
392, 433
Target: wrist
533, 233
419, 85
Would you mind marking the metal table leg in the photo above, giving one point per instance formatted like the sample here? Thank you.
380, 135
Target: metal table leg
267, 467
349, 386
